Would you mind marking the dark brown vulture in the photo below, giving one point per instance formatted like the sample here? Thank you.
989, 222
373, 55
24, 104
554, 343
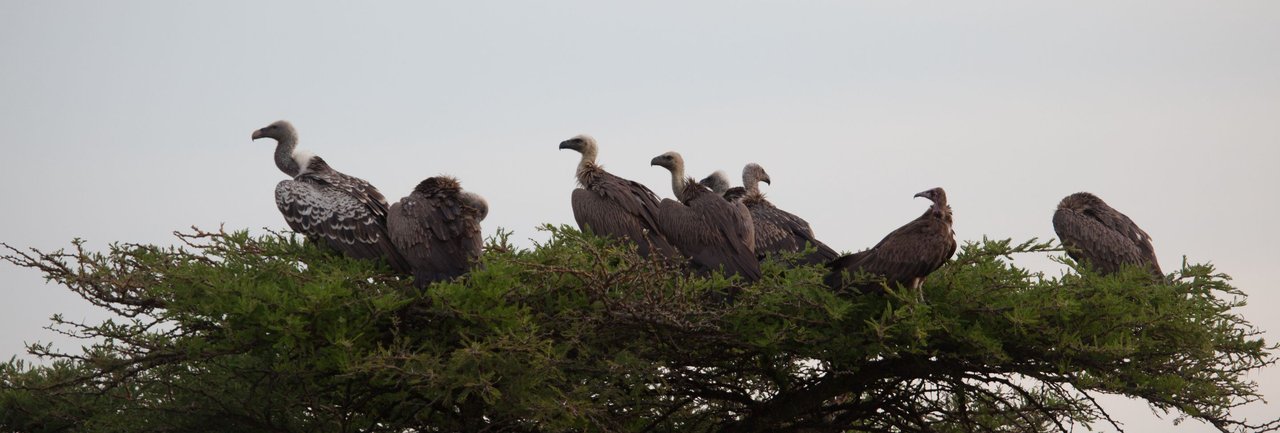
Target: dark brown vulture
1101, 236
777, 230
711, 231
907, 255
342, 212
437, 229
612, 206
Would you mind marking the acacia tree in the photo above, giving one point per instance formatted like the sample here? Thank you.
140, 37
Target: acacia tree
231, 332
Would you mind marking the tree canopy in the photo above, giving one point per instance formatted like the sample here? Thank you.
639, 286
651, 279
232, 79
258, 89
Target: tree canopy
233, 332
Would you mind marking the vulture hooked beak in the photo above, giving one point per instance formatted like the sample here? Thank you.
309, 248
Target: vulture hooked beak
571, 144
926, 194
257, 134
657, 160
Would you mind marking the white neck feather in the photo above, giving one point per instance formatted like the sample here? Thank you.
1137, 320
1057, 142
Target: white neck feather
303, 158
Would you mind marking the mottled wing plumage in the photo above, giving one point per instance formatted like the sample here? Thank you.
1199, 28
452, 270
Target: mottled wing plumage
777, 230
616, 207
710, 231
438, 233
1107, 244
353, 224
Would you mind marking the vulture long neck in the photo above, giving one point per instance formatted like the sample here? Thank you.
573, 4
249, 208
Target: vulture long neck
678, 180
587, 165
940, 210
285, 161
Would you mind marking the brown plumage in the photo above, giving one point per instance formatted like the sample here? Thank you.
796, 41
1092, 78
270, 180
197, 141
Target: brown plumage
611, 206
1093, 232
907, 255
342, 212
437, 229
711, 231
777, 230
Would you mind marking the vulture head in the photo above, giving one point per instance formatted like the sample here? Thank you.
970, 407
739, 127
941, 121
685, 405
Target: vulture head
937, 195
583, 144
675, 163
476, 201
752, 175
280, 130
717, 182
940, 208
1082, 202
670, 160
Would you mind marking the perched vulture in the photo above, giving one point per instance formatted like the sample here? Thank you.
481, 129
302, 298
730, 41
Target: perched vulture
713, 232
1101, 236
437, 228
340, 211
907, 255
613, 206
777, 230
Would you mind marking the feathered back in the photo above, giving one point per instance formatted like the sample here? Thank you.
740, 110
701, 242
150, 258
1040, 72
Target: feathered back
1094, 232
437, 229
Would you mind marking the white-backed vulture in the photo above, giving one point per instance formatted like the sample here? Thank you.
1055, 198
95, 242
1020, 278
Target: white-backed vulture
711, 231
612, 206
906, 256
342, 212
437, 229
1093, 232
777, 230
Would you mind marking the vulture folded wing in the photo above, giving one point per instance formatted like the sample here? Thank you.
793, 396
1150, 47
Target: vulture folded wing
621, 208
352, 225
1088, 239
439, 236
779, 230
910, 252
710, 235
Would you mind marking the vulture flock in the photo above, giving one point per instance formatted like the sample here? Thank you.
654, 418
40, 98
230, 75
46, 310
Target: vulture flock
434, 233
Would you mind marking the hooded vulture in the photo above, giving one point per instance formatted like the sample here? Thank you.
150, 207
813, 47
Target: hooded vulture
1101, 236
612, 206
327, 206
777, 230
713, 232
904, 257
437, 228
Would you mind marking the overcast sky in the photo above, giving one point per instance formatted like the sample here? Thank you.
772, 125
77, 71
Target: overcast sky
124, 121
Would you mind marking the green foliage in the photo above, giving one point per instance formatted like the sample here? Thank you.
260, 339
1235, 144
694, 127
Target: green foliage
239, 333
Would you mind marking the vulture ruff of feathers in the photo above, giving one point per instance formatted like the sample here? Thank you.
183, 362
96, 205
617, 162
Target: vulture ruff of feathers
905, 256
437, 229
340, 211
1095, 233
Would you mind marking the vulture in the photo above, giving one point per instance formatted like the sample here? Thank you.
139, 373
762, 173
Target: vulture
342, 212
713, 232
612, 206
777, 230
437, 228
907, 255
1103, 237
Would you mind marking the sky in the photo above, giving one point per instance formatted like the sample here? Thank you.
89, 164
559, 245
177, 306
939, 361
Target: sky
127, 120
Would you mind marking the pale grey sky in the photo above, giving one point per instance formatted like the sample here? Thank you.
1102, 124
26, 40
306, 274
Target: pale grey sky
123, 121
